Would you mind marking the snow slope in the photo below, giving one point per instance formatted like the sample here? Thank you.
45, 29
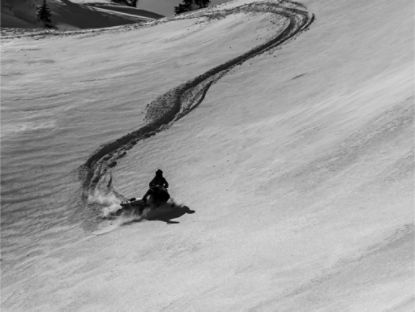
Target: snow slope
66, 15
18, 13
166, 7
298, 162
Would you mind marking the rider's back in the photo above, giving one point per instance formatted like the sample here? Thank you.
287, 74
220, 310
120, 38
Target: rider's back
159, 181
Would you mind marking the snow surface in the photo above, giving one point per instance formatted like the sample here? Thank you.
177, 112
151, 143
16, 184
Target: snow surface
164, 7
65, 15
299, 164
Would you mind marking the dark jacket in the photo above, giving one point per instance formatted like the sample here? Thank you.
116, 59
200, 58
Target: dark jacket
159, 180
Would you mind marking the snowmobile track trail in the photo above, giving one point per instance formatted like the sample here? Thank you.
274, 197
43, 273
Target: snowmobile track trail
179, 101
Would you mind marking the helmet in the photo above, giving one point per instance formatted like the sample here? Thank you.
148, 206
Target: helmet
159, 172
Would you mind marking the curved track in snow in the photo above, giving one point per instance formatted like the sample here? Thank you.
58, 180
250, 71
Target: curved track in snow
179, 101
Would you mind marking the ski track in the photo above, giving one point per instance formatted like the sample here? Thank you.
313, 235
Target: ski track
95, 173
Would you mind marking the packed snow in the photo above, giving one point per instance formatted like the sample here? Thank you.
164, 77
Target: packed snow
298, 163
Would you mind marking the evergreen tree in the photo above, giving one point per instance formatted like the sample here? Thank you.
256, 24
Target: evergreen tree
183, 7
202, 3
189, 5
44, 15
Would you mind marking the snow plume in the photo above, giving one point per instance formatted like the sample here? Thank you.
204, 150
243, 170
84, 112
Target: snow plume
101, 199
179, 101
108, 201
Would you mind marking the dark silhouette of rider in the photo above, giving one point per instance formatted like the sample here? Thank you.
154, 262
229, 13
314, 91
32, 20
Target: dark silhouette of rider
158, 182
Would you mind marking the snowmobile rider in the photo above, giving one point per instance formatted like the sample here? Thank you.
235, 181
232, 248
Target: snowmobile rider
158, 182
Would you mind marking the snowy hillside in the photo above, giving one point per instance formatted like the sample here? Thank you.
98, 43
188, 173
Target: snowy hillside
67, 15
164, 7
287, 126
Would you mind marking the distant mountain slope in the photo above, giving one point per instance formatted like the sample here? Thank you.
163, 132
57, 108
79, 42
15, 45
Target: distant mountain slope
127, 10
164, 7
69, 15
18, 13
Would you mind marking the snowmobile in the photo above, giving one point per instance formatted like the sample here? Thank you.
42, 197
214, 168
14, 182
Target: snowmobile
159, 206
